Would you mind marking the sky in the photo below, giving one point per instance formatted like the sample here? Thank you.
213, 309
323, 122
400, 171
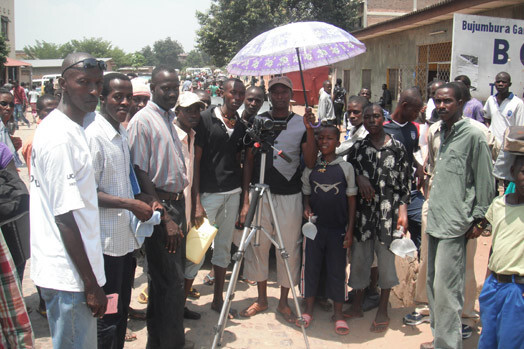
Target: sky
128, 24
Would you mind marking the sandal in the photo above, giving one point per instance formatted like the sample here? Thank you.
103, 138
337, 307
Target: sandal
289, 316
193, 294
130, 336
253, 310
379, 327
209, 280
341, 327
143, 297
307, 320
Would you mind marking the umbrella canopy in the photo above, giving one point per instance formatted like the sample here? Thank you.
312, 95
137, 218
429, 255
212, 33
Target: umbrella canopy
274, 52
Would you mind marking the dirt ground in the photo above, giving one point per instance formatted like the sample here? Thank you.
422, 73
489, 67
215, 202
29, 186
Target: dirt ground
268, 330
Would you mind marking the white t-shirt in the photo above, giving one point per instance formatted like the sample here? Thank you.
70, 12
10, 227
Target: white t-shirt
62, 181
509, 113
33, 96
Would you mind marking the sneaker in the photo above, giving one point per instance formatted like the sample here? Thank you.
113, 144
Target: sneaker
467, 331
415, 318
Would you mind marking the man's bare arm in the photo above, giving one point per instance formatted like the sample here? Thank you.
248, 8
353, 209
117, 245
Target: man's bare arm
74, 245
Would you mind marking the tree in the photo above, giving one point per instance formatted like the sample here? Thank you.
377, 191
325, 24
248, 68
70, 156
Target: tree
101, 49
197, 59
228, 25
4, 51
94, 46
44, 50
164, 52
138, 60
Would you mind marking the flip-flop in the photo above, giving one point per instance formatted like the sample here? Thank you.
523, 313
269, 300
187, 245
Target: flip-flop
253, 310
193, 294
307, 320
384, 325
209, 280
289, 317
341, 327
130, 336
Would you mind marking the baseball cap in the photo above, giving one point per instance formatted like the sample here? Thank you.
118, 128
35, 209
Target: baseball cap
283, 80
140, 88
187, 99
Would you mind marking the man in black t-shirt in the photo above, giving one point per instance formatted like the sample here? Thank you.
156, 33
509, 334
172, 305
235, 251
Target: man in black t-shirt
217, 181
284, 180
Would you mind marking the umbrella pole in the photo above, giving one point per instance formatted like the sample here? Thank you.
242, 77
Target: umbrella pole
301, 77
304, 86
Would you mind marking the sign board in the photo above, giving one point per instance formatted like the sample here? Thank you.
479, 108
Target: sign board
484, 46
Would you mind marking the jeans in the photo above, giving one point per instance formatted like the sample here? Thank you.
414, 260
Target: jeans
165, 307
120, 274
19, 114
70, 320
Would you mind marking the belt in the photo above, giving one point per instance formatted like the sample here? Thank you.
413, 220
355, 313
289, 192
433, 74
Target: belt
506, 279
164, 195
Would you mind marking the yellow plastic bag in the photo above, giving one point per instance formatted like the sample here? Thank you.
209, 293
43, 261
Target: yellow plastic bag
199, 240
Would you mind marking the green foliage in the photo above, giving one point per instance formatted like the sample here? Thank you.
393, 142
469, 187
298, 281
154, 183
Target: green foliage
94, 46
230, 24
44, 50
197, 59
164, 52
4, 51
138, 60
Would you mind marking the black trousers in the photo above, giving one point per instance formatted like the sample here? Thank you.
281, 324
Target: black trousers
120, 274
165, 307
339, 110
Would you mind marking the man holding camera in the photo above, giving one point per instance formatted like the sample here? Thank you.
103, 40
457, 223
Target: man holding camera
295, 136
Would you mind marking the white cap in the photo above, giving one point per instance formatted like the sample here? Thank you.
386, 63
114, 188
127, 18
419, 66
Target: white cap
187, 99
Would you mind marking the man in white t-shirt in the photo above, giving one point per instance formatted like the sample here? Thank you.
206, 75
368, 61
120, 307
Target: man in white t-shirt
66, 253
326, 111
504, 108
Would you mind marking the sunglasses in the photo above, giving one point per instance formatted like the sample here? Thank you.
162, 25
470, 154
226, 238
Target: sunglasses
88, 63
5, 104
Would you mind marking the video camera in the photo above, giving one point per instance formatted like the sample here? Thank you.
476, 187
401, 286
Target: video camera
263, 129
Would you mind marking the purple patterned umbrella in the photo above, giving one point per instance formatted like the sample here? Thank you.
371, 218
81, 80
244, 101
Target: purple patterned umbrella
293, 47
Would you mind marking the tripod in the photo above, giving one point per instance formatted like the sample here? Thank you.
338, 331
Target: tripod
258, 192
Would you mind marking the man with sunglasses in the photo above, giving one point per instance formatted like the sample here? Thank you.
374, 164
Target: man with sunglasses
6, 115
66, 252
153, 139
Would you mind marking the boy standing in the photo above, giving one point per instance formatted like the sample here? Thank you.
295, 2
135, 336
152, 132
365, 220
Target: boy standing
384, 161
501, 303
330, 193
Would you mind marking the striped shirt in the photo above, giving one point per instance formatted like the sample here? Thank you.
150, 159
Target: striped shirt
16, 327
156, 148
111, 163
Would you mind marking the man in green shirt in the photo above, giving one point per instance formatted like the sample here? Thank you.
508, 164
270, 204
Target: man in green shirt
462, 190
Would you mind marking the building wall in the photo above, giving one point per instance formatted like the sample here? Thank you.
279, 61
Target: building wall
400, 51
7, 9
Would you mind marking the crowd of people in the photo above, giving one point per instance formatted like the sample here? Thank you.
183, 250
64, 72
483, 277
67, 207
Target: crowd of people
156, 160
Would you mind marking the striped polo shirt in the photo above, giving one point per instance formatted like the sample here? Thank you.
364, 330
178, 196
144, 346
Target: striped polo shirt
156, 148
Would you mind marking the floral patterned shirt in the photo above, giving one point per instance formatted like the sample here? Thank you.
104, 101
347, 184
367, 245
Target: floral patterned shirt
389, 172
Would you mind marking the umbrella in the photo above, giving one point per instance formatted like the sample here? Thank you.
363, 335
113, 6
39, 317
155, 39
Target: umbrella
294, 47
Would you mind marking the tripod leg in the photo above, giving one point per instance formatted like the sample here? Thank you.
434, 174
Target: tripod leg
284, 255
247, 235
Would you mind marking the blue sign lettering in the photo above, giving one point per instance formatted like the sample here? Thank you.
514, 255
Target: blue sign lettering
500, 51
